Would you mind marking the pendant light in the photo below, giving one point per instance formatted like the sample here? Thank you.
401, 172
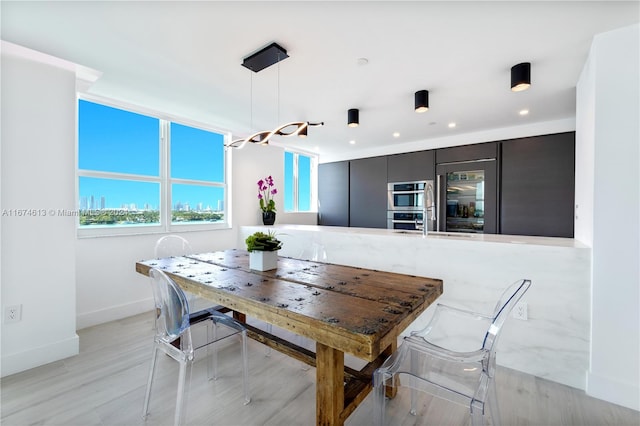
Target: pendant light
353, 117
421, 101
264, 58
520, 77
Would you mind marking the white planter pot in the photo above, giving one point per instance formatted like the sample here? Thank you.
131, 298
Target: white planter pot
263, 260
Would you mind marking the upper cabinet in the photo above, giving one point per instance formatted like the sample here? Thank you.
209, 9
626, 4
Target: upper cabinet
411, 166
538, 186
368, 192
474, 152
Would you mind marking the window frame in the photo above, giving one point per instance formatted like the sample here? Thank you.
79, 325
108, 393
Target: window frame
164, 178
313, 180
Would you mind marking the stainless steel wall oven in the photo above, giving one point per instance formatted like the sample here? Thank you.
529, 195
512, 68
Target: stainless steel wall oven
405, 205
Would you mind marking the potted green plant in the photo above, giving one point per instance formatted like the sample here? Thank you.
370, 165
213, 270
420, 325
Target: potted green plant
263, 250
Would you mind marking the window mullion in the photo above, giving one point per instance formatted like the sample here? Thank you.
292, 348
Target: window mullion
296, 207
165, 176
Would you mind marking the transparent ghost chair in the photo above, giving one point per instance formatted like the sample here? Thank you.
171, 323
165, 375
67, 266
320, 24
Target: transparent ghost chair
174, 325
175, 245
172, 245
315, 252
453, 357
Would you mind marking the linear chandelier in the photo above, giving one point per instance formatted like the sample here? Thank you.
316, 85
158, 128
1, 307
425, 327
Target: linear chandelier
263, 137
263, 58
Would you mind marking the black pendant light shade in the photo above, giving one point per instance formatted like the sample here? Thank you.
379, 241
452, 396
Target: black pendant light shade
353, 118
521, 77
421, 100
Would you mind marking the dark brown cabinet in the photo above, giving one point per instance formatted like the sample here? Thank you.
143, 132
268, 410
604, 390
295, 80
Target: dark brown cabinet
368, 192
412, 166
466, 153
538, 186
333, 194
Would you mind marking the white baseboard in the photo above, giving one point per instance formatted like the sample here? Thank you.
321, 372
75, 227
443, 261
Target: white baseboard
625, 394
35, 357
113, 313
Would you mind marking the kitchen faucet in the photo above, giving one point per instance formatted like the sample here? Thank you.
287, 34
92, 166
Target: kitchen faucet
428, 209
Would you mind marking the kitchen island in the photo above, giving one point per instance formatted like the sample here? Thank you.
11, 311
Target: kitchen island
553, 343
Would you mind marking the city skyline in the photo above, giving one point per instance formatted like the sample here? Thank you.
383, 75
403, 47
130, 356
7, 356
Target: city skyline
91, 203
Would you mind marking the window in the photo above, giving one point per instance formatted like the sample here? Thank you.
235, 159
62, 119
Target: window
139, 171
299, 182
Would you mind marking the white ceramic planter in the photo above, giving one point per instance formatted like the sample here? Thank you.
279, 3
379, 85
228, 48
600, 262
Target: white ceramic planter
263, 260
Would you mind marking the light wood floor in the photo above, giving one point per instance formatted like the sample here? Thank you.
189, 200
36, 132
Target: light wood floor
105, 384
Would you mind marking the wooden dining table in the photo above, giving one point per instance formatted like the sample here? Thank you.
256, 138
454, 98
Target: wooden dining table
344, 309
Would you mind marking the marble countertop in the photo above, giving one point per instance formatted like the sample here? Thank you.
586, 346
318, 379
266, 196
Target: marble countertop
447, 236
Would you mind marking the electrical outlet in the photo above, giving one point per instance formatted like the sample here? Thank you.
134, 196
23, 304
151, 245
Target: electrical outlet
520, 311
12, 313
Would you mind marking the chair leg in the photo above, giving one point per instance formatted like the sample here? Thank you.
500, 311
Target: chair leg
494, 407
477, 413
184, 382
245, 369
414, 393
212, 350
147, 396
379, 398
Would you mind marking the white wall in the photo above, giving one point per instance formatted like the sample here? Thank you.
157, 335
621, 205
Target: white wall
38, 252
608, 111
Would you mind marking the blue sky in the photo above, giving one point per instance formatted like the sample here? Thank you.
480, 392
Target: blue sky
114, 140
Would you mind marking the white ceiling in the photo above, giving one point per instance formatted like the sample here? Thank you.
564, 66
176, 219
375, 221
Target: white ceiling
184, 58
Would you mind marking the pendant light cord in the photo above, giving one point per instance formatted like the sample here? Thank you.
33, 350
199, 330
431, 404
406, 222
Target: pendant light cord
278, 121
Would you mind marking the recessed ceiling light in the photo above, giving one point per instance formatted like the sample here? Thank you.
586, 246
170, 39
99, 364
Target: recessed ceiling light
524, 112
352, 142
452, 125
396, 134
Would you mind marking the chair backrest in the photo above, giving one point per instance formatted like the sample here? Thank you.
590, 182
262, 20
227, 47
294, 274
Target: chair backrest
171, 304
315, 252
504, 306
172, 245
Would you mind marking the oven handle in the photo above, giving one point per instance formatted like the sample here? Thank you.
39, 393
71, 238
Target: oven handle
406, 192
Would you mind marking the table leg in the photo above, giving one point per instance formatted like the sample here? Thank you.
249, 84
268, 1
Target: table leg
329, 385
239, 316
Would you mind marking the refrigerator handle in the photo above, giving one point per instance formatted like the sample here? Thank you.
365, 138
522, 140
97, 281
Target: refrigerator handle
438, 203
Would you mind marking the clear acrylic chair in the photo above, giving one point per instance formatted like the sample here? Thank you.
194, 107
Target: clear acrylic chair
172, 245
175, 245
174, 324
315, 252
453, 357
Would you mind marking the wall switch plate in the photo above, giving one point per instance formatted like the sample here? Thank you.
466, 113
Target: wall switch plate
12, 313
521, 311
